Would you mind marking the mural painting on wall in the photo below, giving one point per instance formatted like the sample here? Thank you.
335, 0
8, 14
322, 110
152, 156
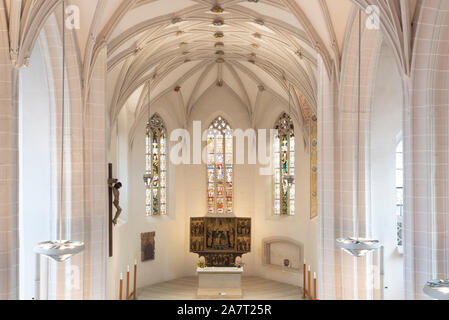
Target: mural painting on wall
220, 240
147, 246
314, 167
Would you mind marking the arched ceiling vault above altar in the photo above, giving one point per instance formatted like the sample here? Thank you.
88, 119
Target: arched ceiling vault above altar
268, 44
263, 48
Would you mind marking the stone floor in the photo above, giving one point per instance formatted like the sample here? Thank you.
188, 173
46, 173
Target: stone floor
253, 289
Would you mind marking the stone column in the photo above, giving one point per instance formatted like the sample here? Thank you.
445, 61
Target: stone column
426, 152
96, 123
327, 188
344, 276
9, 242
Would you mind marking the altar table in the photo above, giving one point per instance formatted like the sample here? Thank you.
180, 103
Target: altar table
221, 283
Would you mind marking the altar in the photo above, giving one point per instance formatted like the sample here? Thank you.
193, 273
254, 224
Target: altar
220, 282
220, 240
220, 244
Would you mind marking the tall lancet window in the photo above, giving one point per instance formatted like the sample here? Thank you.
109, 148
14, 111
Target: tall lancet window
156, 163
220, 167
284, 167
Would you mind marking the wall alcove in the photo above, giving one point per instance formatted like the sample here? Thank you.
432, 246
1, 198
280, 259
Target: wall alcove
277, 249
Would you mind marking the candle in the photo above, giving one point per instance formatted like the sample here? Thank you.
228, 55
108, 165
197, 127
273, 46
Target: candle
135, 281
127, 285
314, 275
315, 295
121, 286
309, 291
304, 282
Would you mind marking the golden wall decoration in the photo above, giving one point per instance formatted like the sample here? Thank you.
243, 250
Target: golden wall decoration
314, 167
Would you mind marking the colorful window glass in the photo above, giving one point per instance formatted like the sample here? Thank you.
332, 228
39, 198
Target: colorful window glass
284, 167
156, 163
220, 167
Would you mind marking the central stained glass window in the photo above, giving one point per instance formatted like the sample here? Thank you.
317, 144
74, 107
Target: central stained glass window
284, 167
220, 170
156, 163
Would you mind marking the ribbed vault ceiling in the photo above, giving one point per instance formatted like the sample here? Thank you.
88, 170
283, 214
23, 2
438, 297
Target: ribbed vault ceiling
250, 47
268, 45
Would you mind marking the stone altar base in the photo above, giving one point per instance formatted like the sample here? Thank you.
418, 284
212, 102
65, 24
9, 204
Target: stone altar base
220, 283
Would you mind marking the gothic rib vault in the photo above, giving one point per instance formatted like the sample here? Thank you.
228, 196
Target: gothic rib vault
268, 45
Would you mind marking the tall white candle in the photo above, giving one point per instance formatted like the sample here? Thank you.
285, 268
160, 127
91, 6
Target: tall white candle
128, 268
309, 268
121, 276
314, 275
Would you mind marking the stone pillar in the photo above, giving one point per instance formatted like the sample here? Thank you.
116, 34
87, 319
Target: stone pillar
96, 123
327, 188
344, 276
426, 152
9, 236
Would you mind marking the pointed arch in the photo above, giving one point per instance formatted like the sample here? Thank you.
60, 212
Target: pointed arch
156, 157
220, 167
284, 166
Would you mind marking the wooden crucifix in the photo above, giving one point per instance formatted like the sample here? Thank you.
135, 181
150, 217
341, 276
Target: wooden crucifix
114, 200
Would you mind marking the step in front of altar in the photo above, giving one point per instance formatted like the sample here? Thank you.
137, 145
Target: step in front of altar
221, 283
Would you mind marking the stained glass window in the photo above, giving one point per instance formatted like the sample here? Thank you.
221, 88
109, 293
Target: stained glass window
220, 167
156, 163
284, 167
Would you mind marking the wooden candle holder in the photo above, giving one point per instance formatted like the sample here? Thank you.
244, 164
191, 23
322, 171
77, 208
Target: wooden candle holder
304, 282
121, 287
127, 285
135, 281
309, 293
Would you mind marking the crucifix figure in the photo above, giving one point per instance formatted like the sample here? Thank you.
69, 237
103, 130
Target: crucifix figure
115, 186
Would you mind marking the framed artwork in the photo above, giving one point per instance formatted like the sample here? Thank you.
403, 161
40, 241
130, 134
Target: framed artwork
147, 246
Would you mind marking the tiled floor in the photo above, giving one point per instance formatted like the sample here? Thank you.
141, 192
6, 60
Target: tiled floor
253, 289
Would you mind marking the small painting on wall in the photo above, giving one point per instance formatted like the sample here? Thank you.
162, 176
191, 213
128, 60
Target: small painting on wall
147, 246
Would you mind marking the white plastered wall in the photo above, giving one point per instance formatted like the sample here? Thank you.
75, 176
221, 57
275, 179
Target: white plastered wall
35, 152
386, 124
187, 196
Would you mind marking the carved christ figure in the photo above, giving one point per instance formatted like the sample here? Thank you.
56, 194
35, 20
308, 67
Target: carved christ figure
115, 185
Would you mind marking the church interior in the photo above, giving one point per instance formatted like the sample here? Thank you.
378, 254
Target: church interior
224, 149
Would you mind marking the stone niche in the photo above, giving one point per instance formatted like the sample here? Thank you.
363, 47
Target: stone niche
278, 249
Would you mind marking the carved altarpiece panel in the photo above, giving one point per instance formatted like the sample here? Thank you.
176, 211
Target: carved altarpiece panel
220, 240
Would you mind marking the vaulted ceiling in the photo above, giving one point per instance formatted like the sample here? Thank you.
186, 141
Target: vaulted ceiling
190, 45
